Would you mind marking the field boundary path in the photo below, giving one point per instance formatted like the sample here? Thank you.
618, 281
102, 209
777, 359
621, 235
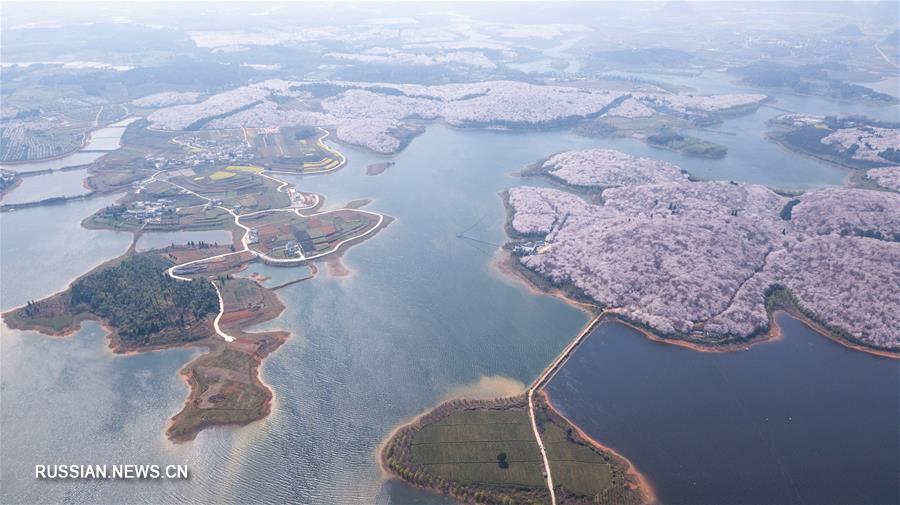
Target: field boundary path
245, 241
542, 380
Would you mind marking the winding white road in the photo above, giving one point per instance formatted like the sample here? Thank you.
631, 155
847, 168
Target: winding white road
245, 238
334, 152
885, 56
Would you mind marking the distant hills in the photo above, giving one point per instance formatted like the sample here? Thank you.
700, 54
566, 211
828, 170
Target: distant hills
848, 30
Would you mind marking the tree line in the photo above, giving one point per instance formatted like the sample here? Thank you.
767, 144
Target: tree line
138, 299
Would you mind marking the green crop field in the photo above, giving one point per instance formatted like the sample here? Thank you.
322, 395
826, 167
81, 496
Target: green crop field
464, 446
578, 468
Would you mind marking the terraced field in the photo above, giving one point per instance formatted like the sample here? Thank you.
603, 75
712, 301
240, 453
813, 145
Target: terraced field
245, 168
296, 150
226, 184
199, 218
221, 175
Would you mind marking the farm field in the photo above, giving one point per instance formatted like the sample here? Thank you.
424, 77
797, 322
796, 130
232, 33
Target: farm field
245, 168
315, 235
296, 149
291, 149
576, 467
488, 450
225, 385
464, 447
686, 144
239, 188
219, 183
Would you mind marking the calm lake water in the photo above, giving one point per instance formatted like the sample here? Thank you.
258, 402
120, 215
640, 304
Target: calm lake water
422, 313
798, 420
40, 187
71, 182
101, 139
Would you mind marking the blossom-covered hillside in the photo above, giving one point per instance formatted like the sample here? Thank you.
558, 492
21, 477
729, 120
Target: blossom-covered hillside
886, 177
606, 168
377, 115
696, 259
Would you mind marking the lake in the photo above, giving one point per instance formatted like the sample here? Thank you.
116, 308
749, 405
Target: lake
422, 314
798, 420
35, 188
70, 182
99, 142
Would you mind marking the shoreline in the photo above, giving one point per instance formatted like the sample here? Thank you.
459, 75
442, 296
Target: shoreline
772, 334
645, 487
196, 417
269, 342
409, 421
213, 397
187, 373
17, 181
634, 479
411, 424
265, 342
85, 140
503, 263
820, 329
773, 137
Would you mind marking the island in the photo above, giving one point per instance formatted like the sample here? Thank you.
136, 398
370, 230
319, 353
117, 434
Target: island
9, 181
378, 168
489, 451
691, 146
855, 142
816, 79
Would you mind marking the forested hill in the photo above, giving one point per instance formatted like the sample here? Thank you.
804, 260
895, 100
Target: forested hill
138, 298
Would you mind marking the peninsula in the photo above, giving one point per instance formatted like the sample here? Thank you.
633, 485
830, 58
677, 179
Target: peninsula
855, 142
189, 295
704, 262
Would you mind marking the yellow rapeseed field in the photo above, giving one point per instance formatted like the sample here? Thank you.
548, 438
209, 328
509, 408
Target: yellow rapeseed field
245, 168
218, 176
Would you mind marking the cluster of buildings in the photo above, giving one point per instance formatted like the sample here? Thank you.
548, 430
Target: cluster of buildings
7, 179
293, 248
299, 199
150, 212
530, 247
207, 151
